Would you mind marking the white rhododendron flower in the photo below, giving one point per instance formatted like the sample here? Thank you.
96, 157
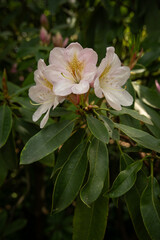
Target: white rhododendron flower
71, 69
42, 93
110, 78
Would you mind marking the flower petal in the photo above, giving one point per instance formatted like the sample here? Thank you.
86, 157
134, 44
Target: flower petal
42, 109
57, 56
118, 97
40, 94
97, 89
63, 87
45, 119
89, 56
80, 88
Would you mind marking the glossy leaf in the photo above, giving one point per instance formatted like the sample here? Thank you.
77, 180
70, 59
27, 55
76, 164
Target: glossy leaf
67, 148
132, 199
99, 161
152, 114
89, 223
143, 138
149, 96
150, 208
98, 129
46, 141
5, 124
133, 114
70, 179
125, 180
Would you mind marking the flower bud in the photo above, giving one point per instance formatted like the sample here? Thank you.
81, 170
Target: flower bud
45, 36
44, 21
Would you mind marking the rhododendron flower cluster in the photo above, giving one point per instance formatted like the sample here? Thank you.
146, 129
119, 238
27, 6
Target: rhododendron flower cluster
73, 71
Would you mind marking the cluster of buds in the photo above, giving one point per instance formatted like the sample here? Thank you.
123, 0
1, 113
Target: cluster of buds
45, 37
71, 72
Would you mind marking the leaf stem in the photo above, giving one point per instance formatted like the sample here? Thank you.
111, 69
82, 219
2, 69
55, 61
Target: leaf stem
152, 171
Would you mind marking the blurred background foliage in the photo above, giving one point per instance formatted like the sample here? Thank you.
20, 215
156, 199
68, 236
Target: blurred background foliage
28, 31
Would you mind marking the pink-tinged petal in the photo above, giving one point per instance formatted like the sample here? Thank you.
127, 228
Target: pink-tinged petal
89, 76
80, 88
112, 58
57, 56
40, 94
41, 109
56, 74
88, 55
157, 85
38, 74
45, 119
41, 65
63, 87
74, 47
97, 89
118, 97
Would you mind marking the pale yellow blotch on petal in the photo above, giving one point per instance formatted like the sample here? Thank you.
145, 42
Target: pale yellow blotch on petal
103, 76
47, 83
75, 67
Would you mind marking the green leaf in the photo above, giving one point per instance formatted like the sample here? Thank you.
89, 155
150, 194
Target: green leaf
70, 178
125, 180
99, 161
90, 223
98, 129
152, 114
67, 148
143, 138
108, 123
149, 96
15, 226
132, 199
46, 141
49, 160
5, 123
133, 114
150, 208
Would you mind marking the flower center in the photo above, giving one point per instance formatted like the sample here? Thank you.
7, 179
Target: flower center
75, 67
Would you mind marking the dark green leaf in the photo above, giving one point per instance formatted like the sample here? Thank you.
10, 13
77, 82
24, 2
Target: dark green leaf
143, 138
132, 199
49, 160
46, 141
90, 222
98, 129
150, 208
67, 148
99, 161
125, 180
70, 179
5, 123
